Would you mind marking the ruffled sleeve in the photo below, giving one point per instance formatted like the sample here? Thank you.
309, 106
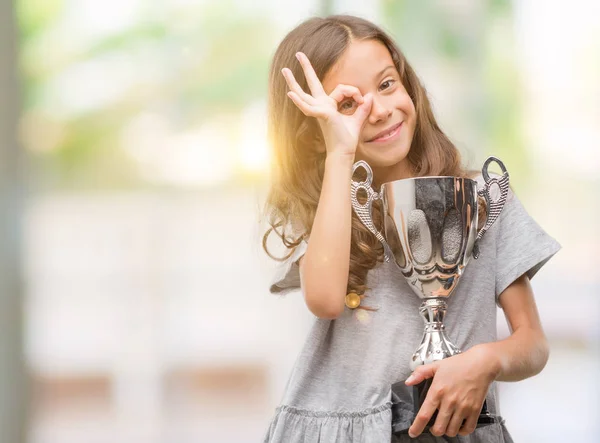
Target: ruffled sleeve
287, 277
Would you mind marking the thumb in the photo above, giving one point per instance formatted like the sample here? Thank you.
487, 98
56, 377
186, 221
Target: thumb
421, 373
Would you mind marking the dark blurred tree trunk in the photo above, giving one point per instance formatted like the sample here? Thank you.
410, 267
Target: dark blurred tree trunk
13, 378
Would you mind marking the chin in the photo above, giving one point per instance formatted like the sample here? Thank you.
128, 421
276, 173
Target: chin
381, 157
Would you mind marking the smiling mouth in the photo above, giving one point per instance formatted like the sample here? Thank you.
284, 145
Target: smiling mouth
390, 134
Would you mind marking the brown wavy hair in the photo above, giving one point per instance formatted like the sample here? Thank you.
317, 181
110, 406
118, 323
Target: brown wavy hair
297, 143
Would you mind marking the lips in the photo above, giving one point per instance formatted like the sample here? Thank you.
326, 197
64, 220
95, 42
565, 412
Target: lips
385, 131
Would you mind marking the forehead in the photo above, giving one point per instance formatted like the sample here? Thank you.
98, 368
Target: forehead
359, 65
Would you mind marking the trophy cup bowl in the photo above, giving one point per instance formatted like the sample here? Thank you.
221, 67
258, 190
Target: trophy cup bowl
430, 234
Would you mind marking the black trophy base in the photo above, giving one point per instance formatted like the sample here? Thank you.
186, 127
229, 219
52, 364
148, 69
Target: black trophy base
404, 413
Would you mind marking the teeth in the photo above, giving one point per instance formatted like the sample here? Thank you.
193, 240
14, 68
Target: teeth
387, 135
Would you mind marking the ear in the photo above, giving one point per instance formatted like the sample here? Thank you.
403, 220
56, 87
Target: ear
320, 147
310, 134
319, 142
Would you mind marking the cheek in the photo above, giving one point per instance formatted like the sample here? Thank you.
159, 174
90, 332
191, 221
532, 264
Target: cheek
408, 108
406, 104
401, 100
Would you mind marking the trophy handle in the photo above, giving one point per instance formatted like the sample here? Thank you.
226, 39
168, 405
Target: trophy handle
365, 211
494, 207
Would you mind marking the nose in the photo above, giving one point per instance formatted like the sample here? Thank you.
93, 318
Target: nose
379, 112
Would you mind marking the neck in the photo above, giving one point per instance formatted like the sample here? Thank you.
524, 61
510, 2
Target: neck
387, 174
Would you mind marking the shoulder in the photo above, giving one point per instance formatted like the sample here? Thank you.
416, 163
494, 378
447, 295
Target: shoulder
478, 177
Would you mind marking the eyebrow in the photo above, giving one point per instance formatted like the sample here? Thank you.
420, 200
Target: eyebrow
383, 70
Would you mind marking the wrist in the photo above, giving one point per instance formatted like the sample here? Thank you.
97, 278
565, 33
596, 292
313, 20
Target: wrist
493, 362
343, 158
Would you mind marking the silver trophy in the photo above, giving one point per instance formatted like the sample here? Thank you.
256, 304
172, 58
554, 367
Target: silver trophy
430, 233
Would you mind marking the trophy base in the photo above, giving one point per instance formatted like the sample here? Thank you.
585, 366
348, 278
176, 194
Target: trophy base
404, 413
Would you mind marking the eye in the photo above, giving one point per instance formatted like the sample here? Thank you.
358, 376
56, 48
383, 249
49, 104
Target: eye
388, 81
343, 106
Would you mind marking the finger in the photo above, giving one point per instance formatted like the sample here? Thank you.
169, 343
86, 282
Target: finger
309, 110
446, 411
364, 109
456, 422
295, 87
316, 88
421, 373
470, 424
342, 91
427, 410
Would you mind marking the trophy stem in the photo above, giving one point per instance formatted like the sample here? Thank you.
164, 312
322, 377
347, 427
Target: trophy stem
435, 345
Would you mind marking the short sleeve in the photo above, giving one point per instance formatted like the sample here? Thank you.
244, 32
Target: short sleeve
522, 246
287, 277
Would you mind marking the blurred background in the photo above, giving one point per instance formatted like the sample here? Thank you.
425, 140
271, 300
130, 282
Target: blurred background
134, 302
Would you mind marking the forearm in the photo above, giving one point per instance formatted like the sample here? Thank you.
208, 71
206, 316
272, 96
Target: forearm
326, 262
522, 355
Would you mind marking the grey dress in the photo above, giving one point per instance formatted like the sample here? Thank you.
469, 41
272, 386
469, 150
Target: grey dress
340, 387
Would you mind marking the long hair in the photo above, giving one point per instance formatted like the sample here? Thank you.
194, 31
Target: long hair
298, 148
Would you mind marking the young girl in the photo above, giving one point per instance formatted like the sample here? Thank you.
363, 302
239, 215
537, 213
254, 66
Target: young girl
341, 91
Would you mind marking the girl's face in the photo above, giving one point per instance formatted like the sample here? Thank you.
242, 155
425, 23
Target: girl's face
368, 66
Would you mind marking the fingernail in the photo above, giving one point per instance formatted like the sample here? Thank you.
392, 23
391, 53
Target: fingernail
409, 379
298, 55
